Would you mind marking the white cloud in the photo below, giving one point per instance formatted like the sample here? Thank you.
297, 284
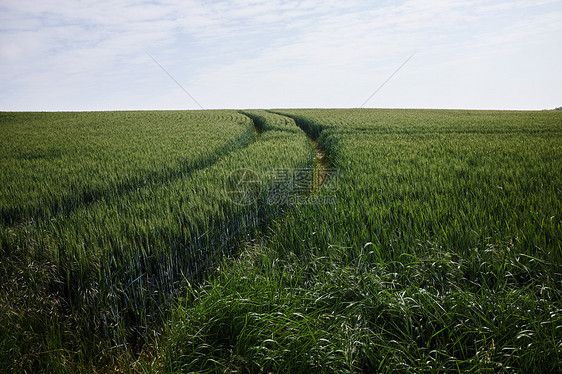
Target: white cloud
89, 54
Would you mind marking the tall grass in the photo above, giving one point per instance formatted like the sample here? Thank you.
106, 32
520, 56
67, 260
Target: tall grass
443, 253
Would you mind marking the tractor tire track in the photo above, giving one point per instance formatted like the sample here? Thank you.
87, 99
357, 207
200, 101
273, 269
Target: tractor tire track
323, 169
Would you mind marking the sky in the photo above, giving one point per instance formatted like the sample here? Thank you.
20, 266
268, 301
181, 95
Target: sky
60, 55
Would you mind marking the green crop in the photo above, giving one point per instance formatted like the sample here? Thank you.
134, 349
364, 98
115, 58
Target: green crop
104, 269
55, 162
170, 242
442, 253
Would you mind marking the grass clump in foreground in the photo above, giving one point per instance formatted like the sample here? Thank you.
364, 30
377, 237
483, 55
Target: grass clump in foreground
442, 253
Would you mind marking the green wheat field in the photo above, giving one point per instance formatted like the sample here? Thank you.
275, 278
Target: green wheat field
281, 241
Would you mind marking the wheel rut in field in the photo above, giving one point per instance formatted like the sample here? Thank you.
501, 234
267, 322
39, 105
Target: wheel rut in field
258, 123
323, 169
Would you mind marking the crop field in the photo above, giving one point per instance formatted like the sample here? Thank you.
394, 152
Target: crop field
424, 240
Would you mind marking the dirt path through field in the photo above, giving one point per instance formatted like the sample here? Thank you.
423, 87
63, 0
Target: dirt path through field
322, 169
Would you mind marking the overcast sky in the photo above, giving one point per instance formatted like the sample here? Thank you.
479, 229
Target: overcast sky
95, 55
